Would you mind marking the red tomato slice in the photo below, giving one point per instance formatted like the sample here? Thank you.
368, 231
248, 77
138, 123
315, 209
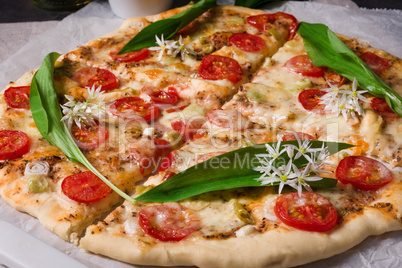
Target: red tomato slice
85, 187
13, 144
187, 129
181, 127
136, 55
148, 152
17, 97
167, 162
201, 133
302, 64
363, 173
89, 136
176, 109
168, 222
264, 22
381, 106
247, 42
131, 108
163, 97
301, 135
215, 67
376, 63
310, 212
228, 119
191, 28
293, 23
173, 91
87, 77
334, 79
163, 147
310, 100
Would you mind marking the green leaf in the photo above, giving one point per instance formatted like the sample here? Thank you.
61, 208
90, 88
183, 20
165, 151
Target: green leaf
47, 116
254, 3
324, 48
167, 27
324, 183
230, 170
241, 3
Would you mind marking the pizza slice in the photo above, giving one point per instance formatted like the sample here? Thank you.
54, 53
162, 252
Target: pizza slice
246, 35
223, 47
290, 93
37, 178
224, 228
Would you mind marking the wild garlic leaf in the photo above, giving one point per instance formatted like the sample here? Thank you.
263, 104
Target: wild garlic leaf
254, 3
235, 170
324, 48
47, 116
167, 27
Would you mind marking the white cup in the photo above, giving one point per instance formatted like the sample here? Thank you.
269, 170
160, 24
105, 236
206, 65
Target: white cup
136, 8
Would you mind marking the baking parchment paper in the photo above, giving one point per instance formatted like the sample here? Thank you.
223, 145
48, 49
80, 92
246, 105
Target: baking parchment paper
382, 28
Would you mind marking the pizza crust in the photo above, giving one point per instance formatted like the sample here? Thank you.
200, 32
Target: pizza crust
66, 218
276, 248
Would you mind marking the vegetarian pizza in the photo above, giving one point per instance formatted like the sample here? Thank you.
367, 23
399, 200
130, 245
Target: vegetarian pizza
214, 136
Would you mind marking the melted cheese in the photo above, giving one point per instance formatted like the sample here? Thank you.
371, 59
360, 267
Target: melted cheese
191, 112
272, 100
219, 217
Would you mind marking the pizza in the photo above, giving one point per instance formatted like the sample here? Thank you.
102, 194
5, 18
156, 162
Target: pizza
232, 79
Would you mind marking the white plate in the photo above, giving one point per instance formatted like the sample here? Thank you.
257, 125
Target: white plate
19, 249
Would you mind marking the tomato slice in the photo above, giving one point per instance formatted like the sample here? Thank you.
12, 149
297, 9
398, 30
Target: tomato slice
176, 109
302, 64
215, 67
85, 187
188, 129
301, 135
89, 136
228, 119
381, 106
376, 63
334, 79
17, 97
167, 162
13, 144
363, 173
264, 22
131, 56
163, 147
148, 153
292, 22
168, 222
190, 28
131, 108
310, 100
163, 97
201, 133
310, 212
247, 42
91, 76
